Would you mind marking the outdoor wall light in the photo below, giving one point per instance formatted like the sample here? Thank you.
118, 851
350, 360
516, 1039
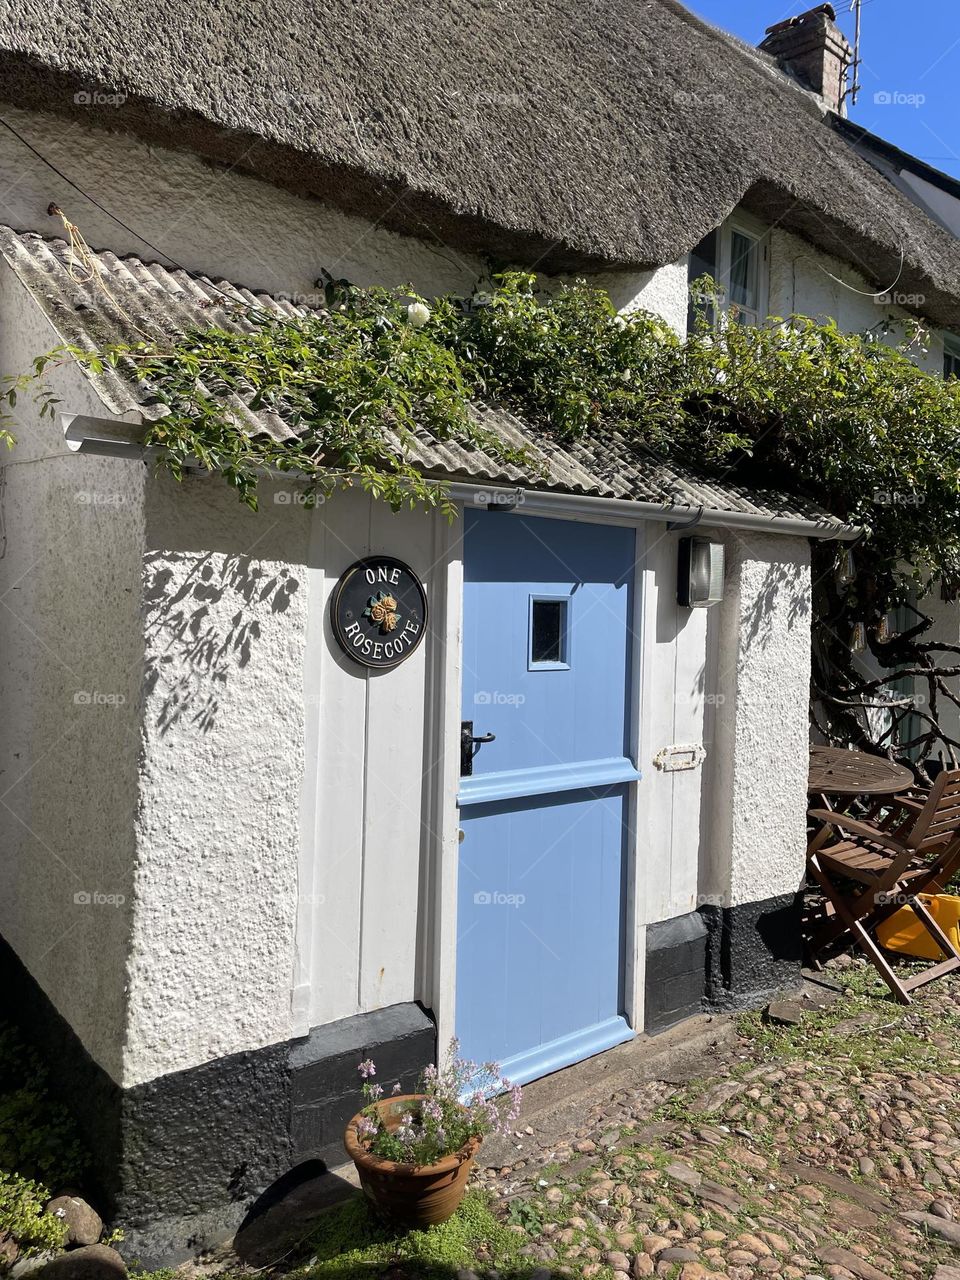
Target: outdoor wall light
700, 573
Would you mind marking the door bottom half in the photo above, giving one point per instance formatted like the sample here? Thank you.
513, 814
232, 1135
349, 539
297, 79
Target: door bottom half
541, 929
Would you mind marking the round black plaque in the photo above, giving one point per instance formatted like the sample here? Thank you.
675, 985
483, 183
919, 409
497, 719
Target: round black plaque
379, 611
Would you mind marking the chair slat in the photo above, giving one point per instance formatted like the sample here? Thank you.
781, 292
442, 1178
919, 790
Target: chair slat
930, 975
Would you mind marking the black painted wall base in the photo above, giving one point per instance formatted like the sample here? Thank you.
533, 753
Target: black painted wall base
179, 1161
676, 965
753, 950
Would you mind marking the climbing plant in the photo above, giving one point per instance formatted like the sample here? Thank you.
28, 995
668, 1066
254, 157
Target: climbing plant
850, 422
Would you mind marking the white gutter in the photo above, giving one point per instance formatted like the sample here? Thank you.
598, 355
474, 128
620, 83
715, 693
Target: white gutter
118, 439
539, 502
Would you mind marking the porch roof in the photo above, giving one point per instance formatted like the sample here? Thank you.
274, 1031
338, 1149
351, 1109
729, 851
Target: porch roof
126, 300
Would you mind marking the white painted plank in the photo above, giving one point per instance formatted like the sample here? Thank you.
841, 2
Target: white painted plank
692, 686
311, 802
658, 727
397, 711
339, 763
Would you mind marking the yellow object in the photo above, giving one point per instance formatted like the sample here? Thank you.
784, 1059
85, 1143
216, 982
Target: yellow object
903, 931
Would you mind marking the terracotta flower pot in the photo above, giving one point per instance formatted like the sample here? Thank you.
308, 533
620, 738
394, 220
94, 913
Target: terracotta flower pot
410, 1195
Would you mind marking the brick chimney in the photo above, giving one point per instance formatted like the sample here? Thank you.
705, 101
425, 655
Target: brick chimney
815, 51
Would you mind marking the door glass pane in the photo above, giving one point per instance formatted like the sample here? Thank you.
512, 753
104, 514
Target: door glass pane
548, 619
743, 272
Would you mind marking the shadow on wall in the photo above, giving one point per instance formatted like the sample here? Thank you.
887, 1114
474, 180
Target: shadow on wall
769, 604
195, 637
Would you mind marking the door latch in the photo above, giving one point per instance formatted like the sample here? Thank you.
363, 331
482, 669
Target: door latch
470, 744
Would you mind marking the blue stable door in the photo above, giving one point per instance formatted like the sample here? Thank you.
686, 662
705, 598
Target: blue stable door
545, 772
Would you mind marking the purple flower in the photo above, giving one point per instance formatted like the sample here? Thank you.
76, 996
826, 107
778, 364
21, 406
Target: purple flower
367, 1069
366, 1127
396, 1087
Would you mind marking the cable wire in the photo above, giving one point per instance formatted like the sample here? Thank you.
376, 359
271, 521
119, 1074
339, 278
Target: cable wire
54, 211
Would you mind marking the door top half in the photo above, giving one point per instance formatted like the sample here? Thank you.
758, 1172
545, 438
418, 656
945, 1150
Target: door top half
547, 641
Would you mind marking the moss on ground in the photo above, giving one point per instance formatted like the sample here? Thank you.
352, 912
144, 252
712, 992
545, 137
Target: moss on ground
349, 1241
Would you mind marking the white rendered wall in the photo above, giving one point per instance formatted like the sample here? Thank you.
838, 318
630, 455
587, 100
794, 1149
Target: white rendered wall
805, 281
945, 629
214, 221
755, 831
225, 597
942, 203
71, 644
663, 291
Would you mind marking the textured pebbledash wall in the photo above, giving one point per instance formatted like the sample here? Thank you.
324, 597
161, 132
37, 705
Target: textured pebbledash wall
752, 850
218, 833
755, 848
807, 281
222, 222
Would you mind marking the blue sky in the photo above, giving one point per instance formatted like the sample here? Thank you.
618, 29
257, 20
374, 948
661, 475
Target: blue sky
910, 51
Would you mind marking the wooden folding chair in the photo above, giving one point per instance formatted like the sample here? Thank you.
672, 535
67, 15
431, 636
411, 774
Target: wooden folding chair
905, 846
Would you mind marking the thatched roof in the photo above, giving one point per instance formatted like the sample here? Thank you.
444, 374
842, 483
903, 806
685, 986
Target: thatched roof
125, 300
571, 134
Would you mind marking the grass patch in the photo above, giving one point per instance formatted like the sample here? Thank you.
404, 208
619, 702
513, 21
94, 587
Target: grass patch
897, 1037
350, 1240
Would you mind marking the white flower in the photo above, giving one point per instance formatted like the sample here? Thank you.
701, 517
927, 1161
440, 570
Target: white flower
418, 314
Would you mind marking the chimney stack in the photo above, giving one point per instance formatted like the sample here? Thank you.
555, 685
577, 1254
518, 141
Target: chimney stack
815, 51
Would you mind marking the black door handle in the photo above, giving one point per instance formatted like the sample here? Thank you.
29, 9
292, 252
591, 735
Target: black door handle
470, 744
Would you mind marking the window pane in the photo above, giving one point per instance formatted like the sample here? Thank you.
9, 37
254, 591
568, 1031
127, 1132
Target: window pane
743, 271
951, 362
703, 258
702, 262
548, 627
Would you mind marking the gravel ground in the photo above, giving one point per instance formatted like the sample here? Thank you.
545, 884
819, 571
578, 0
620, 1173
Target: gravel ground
828, 1148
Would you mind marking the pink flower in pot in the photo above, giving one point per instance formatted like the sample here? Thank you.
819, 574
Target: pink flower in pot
414, 1152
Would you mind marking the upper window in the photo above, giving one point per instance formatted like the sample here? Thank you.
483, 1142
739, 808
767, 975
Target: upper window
735, 255
951, 357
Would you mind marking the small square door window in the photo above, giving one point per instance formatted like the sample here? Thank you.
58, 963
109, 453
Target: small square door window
549, 643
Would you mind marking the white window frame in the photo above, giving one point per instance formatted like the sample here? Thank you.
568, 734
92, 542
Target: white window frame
754, 230
563, 662
951, 355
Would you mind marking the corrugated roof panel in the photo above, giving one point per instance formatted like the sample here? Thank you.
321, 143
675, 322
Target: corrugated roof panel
124, 300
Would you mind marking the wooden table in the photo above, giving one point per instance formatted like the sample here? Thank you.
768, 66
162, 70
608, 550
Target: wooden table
836, 772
